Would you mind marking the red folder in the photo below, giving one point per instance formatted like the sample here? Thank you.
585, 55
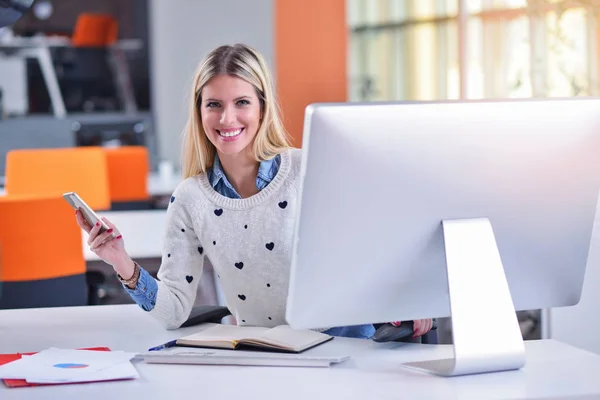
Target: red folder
12, 383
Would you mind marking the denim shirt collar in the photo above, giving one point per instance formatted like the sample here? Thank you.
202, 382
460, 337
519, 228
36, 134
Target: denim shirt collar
266, 172
217, 173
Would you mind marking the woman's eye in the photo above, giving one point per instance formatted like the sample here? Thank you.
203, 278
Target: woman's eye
243, 102
212, 104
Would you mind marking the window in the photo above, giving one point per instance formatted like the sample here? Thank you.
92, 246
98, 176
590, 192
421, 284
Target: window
471, 49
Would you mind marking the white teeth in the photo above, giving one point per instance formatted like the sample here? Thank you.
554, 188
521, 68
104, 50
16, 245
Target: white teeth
231, 133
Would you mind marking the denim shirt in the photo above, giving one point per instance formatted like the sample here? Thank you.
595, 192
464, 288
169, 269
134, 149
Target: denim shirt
146, 289
266, 172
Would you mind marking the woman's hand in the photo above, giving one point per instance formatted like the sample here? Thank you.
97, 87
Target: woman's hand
420, 326
108, 245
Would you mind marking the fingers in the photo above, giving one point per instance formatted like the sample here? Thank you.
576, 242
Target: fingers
417, 327
422, 326
93, 233
112, 226
82, 222
102, 238
426, 326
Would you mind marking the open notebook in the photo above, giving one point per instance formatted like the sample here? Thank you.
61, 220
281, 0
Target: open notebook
281, 338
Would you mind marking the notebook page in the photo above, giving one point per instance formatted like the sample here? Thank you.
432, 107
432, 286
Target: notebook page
226, 333
295, 339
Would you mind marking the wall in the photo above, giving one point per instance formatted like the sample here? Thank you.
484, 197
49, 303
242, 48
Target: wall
179, 37
311, 49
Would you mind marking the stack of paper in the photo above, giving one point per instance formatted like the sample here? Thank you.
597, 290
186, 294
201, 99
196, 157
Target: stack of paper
71, 366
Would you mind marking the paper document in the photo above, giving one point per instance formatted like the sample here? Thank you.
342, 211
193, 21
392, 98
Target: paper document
69, 366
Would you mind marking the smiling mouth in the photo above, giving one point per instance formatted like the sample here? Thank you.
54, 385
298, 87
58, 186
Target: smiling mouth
230, 132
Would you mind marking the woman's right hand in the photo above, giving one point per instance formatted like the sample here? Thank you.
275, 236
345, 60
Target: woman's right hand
108, 245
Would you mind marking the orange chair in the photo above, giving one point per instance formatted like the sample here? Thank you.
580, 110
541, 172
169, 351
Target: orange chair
95, 30
41, 253
56, 171
128, 170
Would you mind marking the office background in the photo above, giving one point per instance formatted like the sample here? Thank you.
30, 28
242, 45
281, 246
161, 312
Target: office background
319, 50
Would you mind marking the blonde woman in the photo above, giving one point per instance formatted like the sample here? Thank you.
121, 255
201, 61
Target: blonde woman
236, 205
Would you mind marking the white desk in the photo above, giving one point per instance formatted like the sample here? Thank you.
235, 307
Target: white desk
554, 370
163, 186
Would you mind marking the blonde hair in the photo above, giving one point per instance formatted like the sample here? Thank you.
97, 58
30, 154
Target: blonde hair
248, 64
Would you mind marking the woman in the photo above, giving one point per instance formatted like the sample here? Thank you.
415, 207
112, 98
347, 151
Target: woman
236, 205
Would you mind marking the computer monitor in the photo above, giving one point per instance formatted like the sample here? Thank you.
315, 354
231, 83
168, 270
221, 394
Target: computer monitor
434, 209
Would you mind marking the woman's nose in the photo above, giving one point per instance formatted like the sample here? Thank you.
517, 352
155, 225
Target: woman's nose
227, 117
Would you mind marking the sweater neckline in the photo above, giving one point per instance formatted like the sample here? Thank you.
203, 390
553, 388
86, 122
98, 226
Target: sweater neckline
249, 202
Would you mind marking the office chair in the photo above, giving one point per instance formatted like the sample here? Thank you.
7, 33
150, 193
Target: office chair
41, 254
51, 172
128, 170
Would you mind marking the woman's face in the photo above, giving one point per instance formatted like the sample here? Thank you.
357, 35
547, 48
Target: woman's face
230, 112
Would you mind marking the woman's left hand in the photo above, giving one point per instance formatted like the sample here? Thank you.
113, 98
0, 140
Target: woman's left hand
420, 326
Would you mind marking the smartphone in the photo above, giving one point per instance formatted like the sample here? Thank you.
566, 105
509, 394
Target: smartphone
88, 214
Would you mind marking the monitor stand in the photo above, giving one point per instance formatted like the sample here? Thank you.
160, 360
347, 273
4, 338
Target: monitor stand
485, 329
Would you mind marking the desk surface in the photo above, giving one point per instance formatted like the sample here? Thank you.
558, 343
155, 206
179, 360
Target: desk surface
32, 42
553, 371
163, 186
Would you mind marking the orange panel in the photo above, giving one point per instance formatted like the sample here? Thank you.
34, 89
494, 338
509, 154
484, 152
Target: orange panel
310, 57
56, 171
39, 239
128, 169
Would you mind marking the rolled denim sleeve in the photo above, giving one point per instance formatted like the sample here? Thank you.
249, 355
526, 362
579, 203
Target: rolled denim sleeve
144, 293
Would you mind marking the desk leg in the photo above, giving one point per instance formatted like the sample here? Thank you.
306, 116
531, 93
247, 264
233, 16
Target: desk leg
118, 63
45, 59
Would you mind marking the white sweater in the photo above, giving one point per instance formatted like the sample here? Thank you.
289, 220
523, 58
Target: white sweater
248, 241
